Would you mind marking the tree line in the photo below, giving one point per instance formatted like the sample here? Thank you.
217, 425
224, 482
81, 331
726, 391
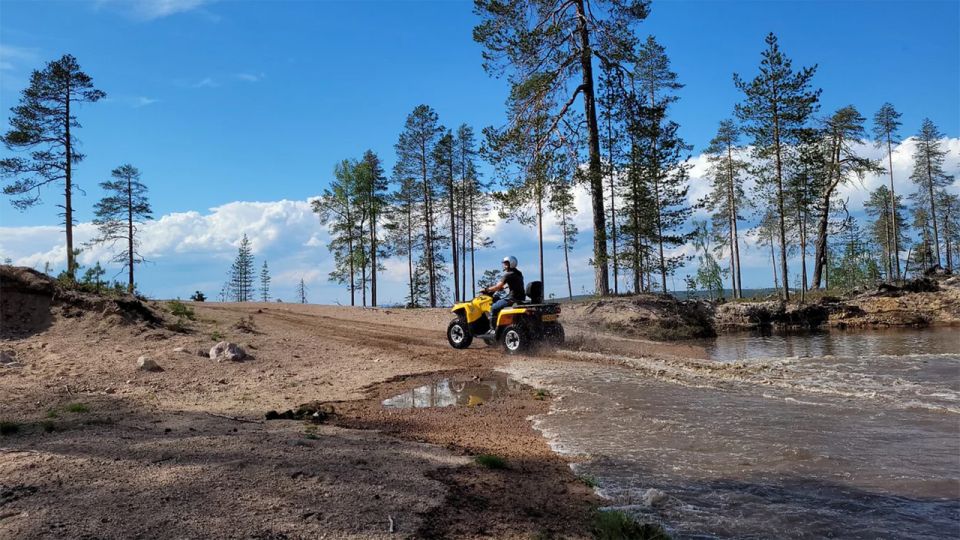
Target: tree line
590, 104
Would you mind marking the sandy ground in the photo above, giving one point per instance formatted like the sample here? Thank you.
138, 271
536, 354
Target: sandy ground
102, 450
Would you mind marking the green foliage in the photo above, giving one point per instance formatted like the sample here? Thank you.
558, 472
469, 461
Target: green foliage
9, 428
78, 408
180, 310
490, 461
118, 216
217, 335
777, 87
617, 525
198, 297
93, 278
264, 283
38, 128
240, 288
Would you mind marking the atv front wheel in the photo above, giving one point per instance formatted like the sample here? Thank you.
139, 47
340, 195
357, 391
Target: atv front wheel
458, 334
515, 339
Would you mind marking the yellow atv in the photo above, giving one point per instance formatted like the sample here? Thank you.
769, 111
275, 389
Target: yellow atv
518, 327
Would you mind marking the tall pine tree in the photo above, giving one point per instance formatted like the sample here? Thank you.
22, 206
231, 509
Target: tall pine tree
119, 215
726, 196
928, 174
886, 122
44, 124
242, 273
777, 104
548, 48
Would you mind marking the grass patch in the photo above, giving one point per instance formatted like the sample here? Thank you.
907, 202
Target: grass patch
9, 428
52, 413
490, 461
617, 525
77, 408
588, 481
48, 426
541, 394
217, 335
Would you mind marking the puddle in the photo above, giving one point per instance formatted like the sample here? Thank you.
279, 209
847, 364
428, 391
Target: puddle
451, 393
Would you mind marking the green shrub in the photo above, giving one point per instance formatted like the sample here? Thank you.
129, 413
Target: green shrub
617, 525
490, 461
179, 309
77, 408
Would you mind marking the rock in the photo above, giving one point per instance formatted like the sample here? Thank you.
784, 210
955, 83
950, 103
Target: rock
9, 359
146, 364
179, 350
654, 497
227, 351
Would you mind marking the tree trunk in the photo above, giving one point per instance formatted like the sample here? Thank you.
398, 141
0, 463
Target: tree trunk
68, 192
453, 237
613, 208
566, 253
893, 208
428, 215
373, 251
601, 277
130, 233
783, 227
413, 298
473, 234
773, 260
732, 208
933, 209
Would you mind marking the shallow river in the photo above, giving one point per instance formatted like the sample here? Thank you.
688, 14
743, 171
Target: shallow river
830, 435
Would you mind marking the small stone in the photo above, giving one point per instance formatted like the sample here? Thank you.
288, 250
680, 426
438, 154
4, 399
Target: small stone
179, 349
227, 351
654, 497
146, 364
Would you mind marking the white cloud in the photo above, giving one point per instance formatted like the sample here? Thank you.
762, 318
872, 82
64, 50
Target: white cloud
250, 77
17, 57
206, 82
143, 101
148, 10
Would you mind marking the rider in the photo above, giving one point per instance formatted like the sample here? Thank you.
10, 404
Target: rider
512, 279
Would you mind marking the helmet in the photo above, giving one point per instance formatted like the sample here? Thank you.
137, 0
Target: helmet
511, 260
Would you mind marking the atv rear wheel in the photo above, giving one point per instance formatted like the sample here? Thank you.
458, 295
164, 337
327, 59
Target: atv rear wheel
458, 334
515, 339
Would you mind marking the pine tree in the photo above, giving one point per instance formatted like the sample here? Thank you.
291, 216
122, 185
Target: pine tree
726, 196
843, 135
474, 205
662, 157
264, 283
878, 207
546, 45
302, 292
928, 174
948, 206
337, 208
119, 214
44, 124
778, 102
564, 208
241, 273
886, 122
94, 276
372, 184
444, 172
414, 151
403, 233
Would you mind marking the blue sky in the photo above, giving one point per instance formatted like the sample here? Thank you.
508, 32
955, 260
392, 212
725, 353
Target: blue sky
225, 104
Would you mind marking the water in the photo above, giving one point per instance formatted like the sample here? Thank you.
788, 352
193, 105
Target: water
449, 393
845, 435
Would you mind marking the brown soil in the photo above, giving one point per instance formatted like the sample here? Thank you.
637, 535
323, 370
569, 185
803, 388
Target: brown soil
95, 448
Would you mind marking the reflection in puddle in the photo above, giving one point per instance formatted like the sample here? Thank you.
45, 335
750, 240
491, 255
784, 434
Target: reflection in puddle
448, 393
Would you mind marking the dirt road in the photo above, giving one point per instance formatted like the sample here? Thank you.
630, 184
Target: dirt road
95, 448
